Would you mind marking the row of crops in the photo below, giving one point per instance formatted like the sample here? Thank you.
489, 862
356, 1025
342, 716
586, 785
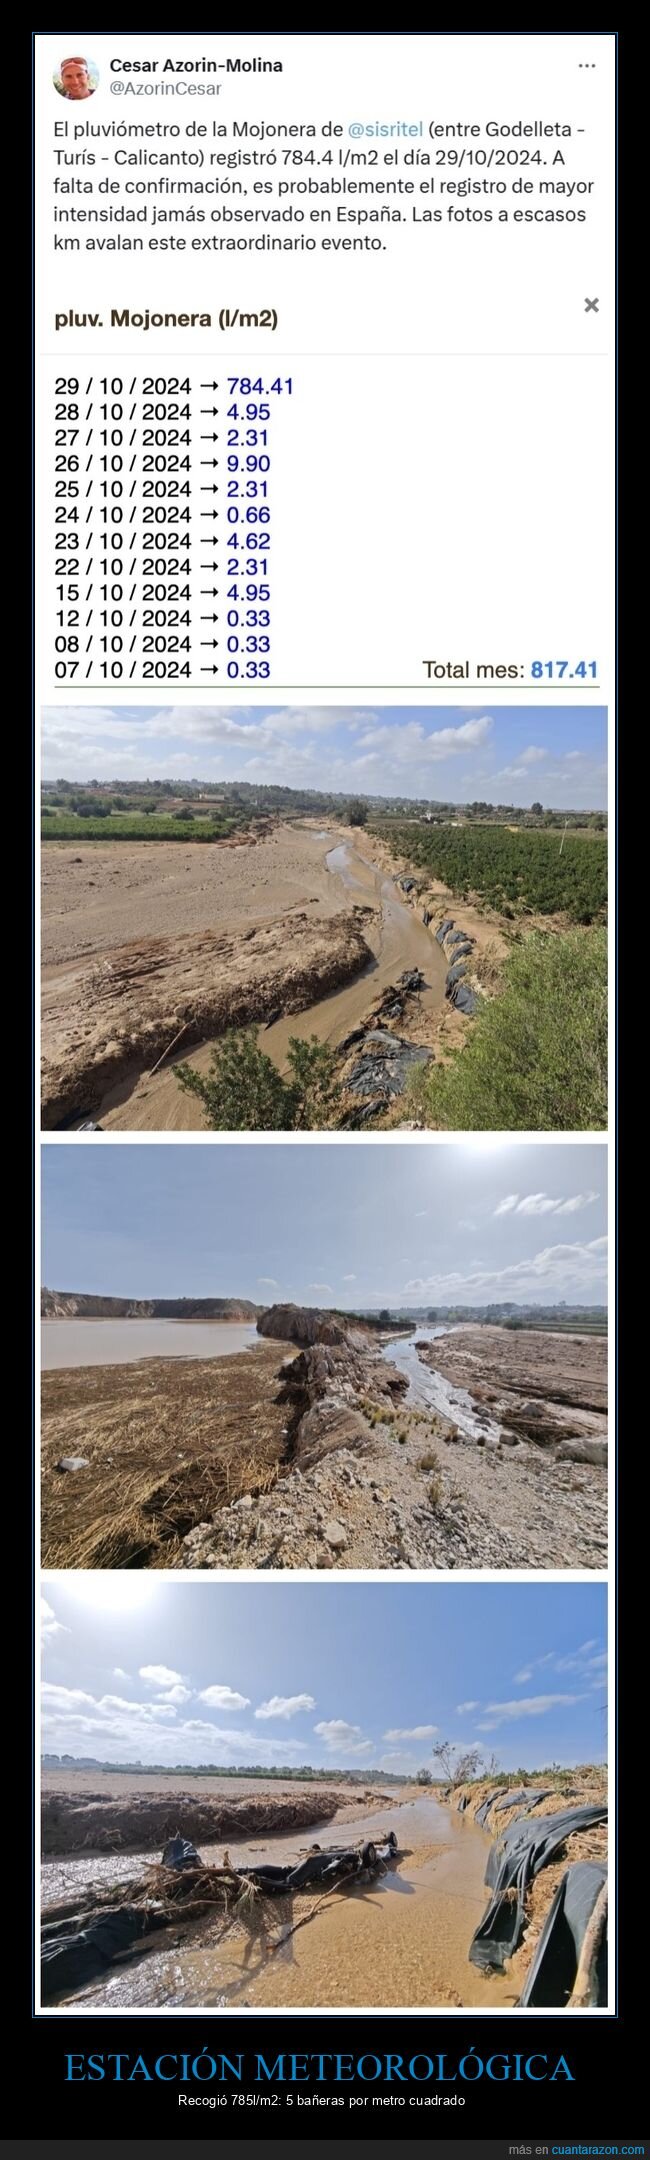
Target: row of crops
133, 825
544, 873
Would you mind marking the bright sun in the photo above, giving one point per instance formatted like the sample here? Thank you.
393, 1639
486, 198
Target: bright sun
117, 1594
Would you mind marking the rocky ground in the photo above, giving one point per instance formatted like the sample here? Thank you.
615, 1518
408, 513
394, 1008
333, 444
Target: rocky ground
372, 1483
316, 1457
537, 1385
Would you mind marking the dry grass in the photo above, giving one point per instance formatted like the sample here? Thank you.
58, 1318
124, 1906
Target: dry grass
487, 965
169, 1442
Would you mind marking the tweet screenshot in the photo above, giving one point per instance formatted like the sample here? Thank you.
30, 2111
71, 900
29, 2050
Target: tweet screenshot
325, 1527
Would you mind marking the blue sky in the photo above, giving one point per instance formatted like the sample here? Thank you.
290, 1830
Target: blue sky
512, 754
349, 1225
357, 1675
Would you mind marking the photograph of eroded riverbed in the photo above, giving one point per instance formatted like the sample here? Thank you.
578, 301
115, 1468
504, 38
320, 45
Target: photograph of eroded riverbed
258, 1796
351, 919
330, 1357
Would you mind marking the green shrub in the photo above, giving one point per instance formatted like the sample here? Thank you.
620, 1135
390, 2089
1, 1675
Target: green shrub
536, 1057
244, 1092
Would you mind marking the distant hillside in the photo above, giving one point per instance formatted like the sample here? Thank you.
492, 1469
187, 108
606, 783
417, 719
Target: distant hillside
82, 1305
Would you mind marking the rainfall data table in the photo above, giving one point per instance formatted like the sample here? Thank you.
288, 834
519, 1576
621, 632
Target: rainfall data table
297, 522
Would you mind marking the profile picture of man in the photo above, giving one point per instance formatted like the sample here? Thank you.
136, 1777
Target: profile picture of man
77, 78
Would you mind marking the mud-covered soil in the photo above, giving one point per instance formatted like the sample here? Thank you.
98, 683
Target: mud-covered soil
76, 1822
562, 1368
153, 952
97, 895
547, 1388
108, 1021
173, 1784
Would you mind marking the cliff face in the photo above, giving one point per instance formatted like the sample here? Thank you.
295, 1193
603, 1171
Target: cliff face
81, 1305
300, 1324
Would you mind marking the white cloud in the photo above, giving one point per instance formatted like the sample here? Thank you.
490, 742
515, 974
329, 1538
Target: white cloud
576, 1270
535, 1203
64, 1697
576, 1203
160, 1676
342, 1739
120, 1674
269, 1282
580, 1661
334, 1729
330, 748
223, 1698
349, 1278
525, 1706
117, 1731
463, 1708
321, 1286
411, 1732
285, 1706
50, 1626
541, 1203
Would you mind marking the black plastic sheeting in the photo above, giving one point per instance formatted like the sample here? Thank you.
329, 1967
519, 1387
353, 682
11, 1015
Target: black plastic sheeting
527, 1797
324, 1867
69, 1960
518, 1855
524, 1796
484, 1810
465, 1000
552, 1974
179, 1852
448, 924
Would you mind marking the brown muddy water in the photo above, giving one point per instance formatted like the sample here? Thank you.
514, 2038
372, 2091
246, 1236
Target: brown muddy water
65, 1343
400, 941
401, 1942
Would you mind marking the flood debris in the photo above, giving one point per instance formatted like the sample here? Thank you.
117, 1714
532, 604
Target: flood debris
384, 1065
84, 1935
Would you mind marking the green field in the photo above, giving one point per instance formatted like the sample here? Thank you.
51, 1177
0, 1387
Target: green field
533, 872
134, 825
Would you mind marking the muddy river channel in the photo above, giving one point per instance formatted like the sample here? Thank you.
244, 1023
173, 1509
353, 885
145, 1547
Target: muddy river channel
430, 1391
399, 1942
398, 940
